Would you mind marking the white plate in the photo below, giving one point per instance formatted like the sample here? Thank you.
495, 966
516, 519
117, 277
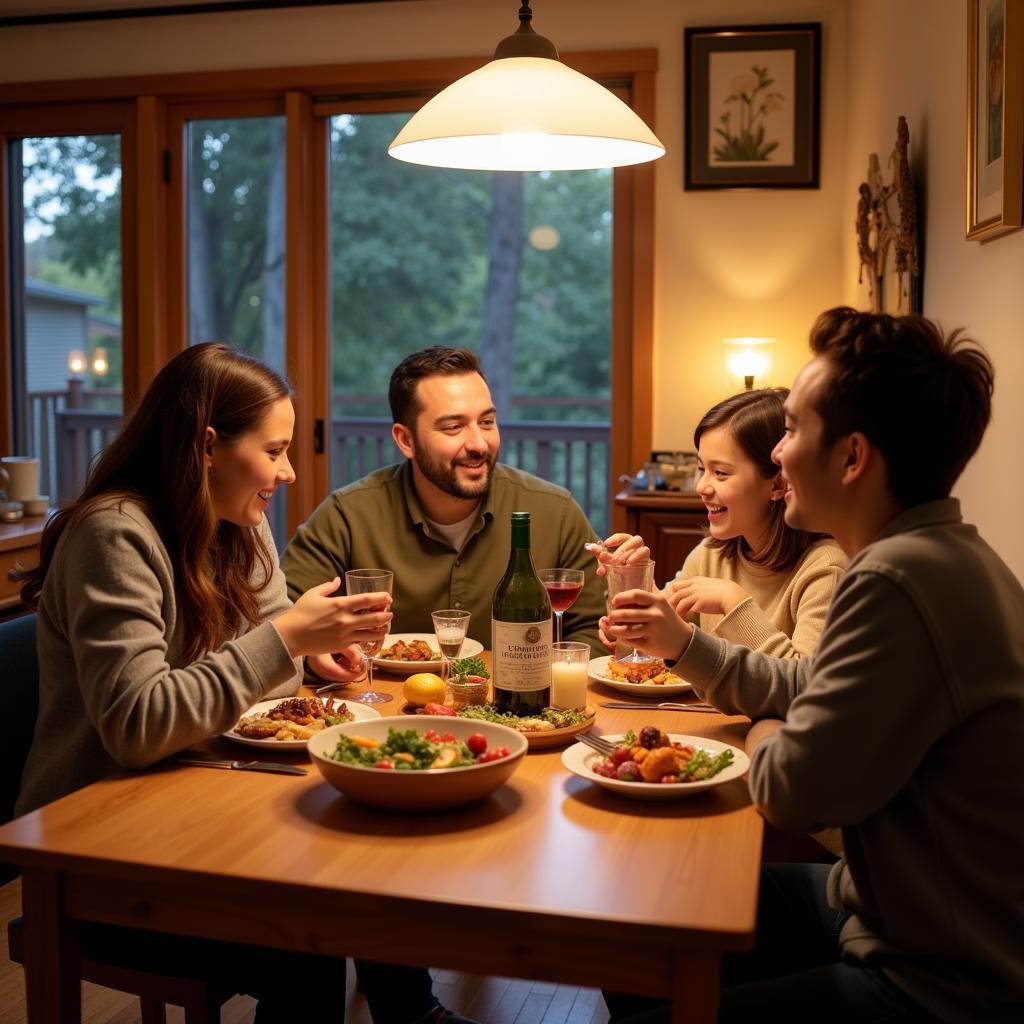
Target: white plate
579, 757
598, 668
470, 648
360, 712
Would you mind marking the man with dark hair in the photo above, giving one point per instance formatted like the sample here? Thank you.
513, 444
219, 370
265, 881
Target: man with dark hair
440, 519
905, 729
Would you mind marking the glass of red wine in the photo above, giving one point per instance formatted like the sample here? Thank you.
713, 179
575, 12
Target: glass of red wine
370, 581
563, 587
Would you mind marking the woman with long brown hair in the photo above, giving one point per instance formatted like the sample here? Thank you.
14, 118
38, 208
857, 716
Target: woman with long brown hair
162, 611
163, 615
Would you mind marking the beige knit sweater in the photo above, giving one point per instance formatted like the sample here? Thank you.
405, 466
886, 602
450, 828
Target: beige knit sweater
114, 689
785, 613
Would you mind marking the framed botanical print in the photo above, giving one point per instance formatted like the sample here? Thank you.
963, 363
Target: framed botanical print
995, 111
753, 104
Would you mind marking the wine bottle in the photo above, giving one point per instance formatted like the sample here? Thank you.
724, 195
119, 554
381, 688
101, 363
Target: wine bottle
521, 631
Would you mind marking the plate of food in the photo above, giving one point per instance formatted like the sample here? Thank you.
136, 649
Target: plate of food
553, 727
653, 765
423, 764
417, 652
289, 724
649, 677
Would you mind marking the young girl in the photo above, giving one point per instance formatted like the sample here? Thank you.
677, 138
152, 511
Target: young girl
754, 580
163, 616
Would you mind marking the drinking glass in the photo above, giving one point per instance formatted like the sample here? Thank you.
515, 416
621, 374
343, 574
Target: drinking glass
563, 587
569, 662
370, 581
620, 578
450, 625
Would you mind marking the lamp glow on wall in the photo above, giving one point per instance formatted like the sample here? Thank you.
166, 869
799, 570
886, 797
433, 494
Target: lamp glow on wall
525, 111
749, 361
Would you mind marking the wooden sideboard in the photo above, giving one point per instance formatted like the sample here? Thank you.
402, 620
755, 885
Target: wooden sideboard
19, 545
672, 524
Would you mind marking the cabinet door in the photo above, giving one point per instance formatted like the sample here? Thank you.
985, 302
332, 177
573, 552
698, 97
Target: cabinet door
671, 537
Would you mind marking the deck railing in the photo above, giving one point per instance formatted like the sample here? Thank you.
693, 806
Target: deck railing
571, 454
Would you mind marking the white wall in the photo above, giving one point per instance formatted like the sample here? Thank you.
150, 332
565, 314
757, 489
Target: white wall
966, 284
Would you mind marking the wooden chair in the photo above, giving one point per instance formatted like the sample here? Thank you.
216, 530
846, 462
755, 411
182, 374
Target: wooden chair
110, 957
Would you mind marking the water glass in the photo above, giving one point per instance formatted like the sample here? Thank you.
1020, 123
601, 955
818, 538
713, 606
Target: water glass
620, 578
370, 581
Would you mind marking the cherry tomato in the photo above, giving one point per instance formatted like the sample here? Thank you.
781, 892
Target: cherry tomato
384, 763
494, 754
438, 709
477, 743
622, 754
628, 771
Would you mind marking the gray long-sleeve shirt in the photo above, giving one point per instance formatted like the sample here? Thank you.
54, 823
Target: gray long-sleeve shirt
114, 688
906, 729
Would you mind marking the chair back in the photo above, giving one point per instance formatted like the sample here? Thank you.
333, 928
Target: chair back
20, 695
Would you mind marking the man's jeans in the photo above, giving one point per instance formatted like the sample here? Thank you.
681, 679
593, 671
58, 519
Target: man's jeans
794, 973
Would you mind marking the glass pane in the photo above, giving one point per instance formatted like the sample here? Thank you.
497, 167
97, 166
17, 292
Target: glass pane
516, 267
236, 244
71, 380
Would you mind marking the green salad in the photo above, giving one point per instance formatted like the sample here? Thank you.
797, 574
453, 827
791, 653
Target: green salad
543, 721
404, 750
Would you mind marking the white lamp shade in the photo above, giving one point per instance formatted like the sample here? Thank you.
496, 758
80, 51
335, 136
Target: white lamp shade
526, 114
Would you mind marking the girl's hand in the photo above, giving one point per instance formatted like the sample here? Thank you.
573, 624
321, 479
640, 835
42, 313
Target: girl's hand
320, 624
703, 594
342, 667
648, 622
621, 548
604, 633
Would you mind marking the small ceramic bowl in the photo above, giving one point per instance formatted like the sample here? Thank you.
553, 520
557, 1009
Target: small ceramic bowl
36, 506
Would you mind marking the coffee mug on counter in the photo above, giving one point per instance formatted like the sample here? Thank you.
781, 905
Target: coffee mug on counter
19, 476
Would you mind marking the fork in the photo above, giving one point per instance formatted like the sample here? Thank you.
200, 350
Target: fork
598, 743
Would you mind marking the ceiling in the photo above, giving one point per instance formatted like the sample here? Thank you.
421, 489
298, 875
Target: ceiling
37, 12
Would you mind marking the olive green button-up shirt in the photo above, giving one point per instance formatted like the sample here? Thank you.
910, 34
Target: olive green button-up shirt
378, 523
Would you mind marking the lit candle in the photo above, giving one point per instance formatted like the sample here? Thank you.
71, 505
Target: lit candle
568, 684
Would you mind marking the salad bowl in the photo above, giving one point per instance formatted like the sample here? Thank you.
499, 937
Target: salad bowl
417, 789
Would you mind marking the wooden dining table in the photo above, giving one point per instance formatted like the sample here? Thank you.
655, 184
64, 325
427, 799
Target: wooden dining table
550, 878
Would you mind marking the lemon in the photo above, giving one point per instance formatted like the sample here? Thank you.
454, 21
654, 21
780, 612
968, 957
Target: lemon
424, 688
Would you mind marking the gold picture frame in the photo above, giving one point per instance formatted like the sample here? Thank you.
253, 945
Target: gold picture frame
995, 113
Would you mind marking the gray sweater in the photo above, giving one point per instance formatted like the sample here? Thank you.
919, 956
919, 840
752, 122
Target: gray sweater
906, 729
114, 689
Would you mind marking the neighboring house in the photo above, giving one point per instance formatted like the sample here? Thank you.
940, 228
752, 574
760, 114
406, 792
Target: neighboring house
56, 322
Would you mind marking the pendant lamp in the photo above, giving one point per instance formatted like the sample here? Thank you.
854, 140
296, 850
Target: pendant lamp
525, 111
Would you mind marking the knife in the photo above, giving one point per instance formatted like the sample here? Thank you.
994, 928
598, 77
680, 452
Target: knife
245, 766
665, 706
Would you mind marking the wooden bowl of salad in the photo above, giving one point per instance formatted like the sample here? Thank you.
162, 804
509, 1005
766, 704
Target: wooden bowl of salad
425, 763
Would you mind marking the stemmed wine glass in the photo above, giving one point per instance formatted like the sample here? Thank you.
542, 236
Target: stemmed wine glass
620, 578
563, 587
450, 625
370, 581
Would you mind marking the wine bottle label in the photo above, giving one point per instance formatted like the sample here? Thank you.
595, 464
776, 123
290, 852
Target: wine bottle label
521, 655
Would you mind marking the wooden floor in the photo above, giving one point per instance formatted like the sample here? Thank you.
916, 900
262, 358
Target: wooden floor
488, 1000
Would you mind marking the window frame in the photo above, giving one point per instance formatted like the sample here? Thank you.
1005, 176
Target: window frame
150, 111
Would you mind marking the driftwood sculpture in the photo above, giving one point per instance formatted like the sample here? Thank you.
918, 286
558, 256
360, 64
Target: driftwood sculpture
878, 229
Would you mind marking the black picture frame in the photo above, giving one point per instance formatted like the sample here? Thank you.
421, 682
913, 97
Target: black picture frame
768, 145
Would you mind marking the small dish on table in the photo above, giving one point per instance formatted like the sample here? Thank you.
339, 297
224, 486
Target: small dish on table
599, 671
470, 648
359, 713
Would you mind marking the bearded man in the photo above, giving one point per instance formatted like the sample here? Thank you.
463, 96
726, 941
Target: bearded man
440, 520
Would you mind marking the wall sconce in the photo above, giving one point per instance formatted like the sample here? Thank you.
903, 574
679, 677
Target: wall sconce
748, 361
99, 362
76, 362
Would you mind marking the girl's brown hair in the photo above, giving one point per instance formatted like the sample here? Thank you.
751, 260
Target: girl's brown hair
756, 422
157, 459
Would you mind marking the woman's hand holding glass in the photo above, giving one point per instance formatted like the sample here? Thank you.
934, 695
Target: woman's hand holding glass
346, 666
321, 624
704, 594
647, 621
